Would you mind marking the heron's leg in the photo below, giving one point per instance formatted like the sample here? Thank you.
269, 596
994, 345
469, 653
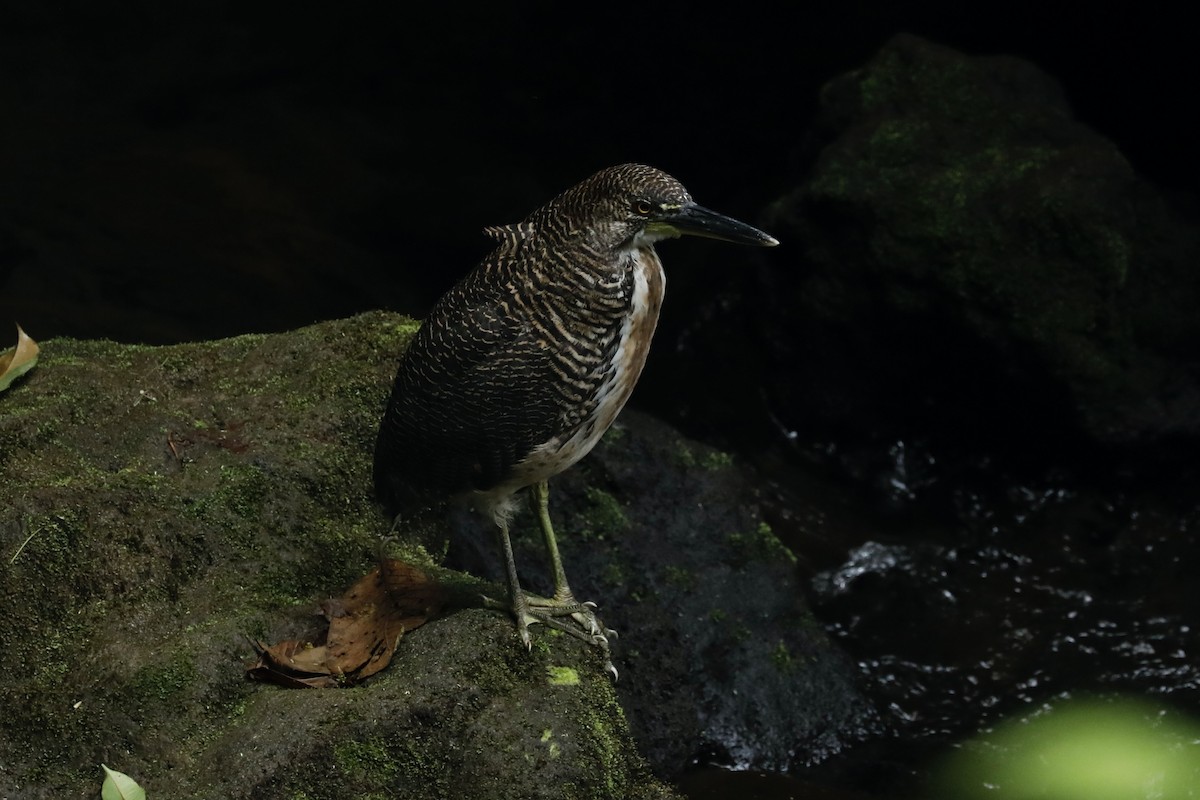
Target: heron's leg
563, 604
541, 501
519, 605
530, 609
562, 612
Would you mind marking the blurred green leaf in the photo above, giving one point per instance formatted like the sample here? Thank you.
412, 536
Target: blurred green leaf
1081, 750
119, 786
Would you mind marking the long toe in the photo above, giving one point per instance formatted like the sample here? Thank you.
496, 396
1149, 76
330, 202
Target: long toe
555, 609
564, 613
522, 616
570, 616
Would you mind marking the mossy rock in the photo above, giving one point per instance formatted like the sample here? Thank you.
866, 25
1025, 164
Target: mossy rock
978, 263
162, 504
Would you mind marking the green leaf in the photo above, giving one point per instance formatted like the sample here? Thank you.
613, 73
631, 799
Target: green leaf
119, 786
16, 361
1097, 749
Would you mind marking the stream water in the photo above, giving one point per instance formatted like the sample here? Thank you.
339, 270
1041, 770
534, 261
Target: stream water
966, 592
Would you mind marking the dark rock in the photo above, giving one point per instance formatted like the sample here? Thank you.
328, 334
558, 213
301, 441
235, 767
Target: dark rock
968, 257
720, 659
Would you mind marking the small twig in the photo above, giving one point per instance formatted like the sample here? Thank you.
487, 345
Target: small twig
21, 547
174, 449
151, 395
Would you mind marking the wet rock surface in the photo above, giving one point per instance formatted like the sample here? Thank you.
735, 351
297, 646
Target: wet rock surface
720, 660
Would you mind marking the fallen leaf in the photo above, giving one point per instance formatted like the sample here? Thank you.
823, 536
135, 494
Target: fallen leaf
16, 361
293, 664
119, 786
365, 625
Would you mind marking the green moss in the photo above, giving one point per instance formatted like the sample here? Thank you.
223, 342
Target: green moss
894, 138
367, 764
162, 681
53, 655
761, 544
707, 459
680, 577
608, 729
614, 573
684, 455
374, 763
397, 335
552, 748
602, 516
714, 460
614, 435
562, 676
782, 658
242, 489
967, 203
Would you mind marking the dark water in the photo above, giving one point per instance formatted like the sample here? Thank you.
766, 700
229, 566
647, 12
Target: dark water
967, 592
708, 783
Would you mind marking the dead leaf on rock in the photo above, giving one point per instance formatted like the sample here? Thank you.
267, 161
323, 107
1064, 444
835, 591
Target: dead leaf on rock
16, 361
365, 625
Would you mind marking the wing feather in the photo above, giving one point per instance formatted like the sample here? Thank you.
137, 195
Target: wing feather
470, 398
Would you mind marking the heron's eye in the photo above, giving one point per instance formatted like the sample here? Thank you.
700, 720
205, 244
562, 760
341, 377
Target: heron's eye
642, 207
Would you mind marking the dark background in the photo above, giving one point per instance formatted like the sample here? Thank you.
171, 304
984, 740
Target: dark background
183, 171
194, 170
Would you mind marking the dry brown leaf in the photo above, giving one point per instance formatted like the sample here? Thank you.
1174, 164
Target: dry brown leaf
293, 663
16, 361
365, 625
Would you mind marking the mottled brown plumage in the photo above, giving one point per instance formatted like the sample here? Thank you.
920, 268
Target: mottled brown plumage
522, 366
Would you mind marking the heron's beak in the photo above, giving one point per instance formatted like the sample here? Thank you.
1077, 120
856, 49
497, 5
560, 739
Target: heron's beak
694, 220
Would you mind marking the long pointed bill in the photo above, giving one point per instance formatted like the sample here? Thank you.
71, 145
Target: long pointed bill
694, 220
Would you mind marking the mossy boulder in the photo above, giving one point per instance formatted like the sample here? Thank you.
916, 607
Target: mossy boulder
162, 504
969, 257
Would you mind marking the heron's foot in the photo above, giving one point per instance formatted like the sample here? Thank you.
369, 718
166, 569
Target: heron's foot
587, 626
564, 614
518, 607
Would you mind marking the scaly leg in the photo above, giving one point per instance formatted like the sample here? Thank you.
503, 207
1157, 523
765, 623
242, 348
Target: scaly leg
551, 612
563, 604
519, 605
540, 494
